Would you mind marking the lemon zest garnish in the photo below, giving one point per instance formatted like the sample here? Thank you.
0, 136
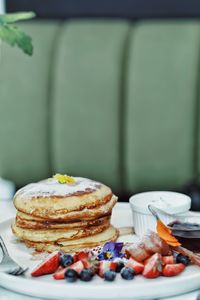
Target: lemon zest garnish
64, 178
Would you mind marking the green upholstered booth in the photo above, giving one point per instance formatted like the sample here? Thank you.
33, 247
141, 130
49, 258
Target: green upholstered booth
113, 100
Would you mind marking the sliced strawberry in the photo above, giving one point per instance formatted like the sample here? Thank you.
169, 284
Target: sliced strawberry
135, 265
96, 266
87, 264
104, 265
48, 266
75, 257
77, 266
173, 269
83, 255
60, 274
168, 260
146, 261
153, 267
85, 258
80, 256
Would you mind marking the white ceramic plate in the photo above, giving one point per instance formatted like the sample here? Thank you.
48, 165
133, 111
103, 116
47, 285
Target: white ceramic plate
138, 288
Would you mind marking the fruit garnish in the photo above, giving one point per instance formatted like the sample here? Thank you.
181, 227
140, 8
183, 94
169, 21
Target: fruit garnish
89, 261
83, 255
60, 274
153, 267
77, 266
71, 275
109, 275
48, 266
127, 273
86, 275
168, 260
66, 260
120, 265
173, 269
136, 266
64, 178
111, 251
183, 259
84, 265
104, 265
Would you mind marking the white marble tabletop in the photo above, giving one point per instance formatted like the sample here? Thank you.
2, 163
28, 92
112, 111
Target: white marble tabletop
7, 211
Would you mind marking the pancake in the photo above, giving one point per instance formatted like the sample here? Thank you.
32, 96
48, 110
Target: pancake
53, 199
85, 214
64, 213
110, 234
57, 234
44, 224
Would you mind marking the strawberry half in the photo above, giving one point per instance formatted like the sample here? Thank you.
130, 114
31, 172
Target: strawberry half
104, 265
77, 266
173, 270
135, 265
48, 266
168, 260
153, 267
75, 257
60, 274
146, 261
83, 255
85, 258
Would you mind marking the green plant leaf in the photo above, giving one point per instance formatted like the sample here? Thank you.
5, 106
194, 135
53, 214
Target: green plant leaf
15, 17
13, 36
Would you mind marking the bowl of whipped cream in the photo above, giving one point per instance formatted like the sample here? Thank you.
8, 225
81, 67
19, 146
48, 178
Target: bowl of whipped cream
171, 206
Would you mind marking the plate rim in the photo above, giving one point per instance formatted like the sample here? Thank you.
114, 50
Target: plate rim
39, 288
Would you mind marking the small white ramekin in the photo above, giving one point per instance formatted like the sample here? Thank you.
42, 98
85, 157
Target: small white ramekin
170, 202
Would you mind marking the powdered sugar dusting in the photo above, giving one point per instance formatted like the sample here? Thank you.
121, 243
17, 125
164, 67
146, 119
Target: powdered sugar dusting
51, 187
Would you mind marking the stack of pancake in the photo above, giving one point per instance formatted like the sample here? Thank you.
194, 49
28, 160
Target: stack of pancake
64, 216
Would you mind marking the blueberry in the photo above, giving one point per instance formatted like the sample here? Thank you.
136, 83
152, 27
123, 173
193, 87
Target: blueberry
86, 275
127, 273
109, 275
182, 259
120, 266
71, 275
66, 260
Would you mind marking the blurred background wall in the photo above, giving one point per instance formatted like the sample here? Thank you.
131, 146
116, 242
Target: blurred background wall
111, 93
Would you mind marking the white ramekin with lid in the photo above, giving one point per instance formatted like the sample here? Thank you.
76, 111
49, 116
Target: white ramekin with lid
170, 202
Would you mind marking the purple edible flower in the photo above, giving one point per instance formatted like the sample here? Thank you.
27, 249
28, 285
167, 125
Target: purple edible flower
111, 251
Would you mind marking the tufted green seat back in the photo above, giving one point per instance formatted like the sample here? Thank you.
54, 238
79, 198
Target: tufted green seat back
107, 99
